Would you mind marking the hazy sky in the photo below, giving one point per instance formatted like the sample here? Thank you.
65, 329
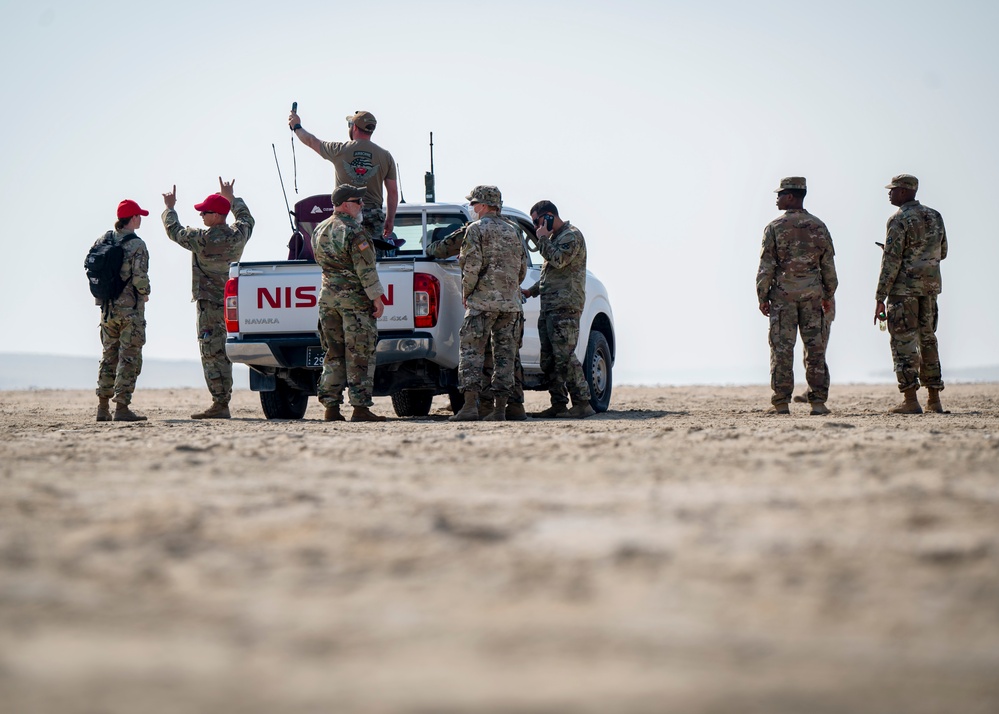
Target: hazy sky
659, 128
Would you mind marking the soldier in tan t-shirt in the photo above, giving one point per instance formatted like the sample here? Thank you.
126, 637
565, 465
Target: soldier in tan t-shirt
360, 162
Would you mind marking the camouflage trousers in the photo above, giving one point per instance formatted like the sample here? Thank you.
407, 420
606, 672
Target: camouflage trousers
517, 396
349, 337
123, 333
211, 339
912, 324
559, 333
478, 330
373, 221
787, 319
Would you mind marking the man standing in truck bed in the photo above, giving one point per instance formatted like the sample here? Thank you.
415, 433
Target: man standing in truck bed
360, 162
212, 249
350, 304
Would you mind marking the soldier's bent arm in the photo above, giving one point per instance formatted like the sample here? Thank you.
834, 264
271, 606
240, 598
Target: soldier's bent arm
391, 204
309, 140
189, 238
471, 262
559, 250
768, 266
449, 245
891, 257
244, 221
362, 254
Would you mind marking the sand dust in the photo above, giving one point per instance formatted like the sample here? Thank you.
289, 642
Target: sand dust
680, 553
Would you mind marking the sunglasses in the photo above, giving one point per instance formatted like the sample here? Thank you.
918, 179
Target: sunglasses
208, 213
354, 200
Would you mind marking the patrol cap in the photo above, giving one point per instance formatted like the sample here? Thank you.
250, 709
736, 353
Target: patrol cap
129, 208
489, 195
365, 121
344, 191
215, 203
904, 181
791, 182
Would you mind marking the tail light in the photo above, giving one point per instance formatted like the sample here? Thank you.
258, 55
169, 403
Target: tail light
232, 305
426, 299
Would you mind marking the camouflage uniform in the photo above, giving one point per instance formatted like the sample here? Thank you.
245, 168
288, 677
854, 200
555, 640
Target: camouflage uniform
493, 265
447, 247
909, 284
212, 249
123, 323
797, 272
562, 288
347, 326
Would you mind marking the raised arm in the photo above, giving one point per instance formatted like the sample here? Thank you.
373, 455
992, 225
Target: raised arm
314, 143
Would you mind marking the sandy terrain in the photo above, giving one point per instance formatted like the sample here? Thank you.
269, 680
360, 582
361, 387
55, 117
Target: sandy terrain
681, 553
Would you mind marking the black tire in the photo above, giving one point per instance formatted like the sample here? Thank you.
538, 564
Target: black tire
412, 402
598, 371
457, 400
284, 402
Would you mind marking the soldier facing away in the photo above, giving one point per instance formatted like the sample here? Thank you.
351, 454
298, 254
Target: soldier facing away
909, 281
212, 249
123, 319
350, 304
562, 288
360, 162
796, 286
493, 265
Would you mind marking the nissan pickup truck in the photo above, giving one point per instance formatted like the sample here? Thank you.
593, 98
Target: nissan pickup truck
272, 316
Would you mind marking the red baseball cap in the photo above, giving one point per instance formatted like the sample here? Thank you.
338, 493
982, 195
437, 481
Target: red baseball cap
214, 203
129, 208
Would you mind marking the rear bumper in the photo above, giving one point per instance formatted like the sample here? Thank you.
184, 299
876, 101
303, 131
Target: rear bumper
291, 352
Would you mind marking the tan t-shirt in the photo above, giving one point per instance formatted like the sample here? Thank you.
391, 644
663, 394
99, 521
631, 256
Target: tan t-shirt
361, 163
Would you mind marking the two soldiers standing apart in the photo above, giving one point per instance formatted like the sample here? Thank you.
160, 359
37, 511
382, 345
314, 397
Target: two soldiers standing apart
562, 288
123, 318
212, 249
796, 285
910, 282
350, 304
360, 162
493, 265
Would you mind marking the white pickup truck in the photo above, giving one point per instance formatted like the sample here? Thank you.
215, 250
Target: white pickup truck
272, 315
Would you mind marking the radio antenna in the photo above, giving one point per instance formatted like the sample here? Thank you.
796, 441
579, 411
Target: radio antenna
283, 192
428, 178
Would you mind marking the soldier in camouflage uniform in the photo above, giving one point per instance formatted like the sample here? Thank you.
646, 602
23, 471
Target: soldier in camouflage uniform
123, 320
360, 162
910, 282
450, 246
796, 285
493, 265
562, 288
350, 304
212, 249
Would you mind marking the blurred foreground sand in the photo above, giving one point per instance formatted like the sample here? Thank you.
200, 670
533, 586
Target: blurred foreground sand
682, 552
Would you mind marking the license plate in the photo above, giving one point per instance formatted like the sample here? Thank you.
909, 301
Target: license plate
314, 356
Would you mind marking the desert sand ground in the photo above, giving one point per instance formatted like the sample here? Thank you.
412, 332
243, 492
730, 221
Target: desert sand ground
681, 553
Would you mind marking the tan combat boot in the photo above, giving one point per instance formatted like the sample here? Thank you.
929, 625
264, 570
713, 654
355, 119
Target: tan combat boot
499, 412
103, 409
579, 410
910, 405
933, 401
553, 412
819, 409
333, 414
123, 413
486, 406
469, 411
217, 410
515, 411
365, 414
779, 409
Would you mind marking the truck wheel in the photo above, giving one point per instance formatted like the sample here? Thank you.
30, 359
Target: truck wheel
456, 399
597, 370
284, 402
412, 402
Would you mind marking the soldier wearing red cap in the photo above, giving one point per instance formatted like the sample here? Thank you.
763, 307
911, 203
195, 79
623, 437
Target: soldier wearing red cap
360, 162
212, 249
123, 319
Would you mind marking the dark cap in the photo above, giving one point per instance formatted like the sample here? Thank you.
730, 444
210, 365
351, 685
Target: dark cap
365, 121
214, 203
344, 191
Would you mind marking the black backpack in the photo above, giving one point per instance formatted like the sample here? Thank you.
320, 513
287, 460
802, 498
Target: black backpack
103, 266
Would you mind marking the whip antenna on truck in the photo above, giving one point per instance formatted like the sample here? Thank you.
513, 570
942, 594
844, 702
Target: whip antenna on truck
398, 172
283, 192
428, 178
